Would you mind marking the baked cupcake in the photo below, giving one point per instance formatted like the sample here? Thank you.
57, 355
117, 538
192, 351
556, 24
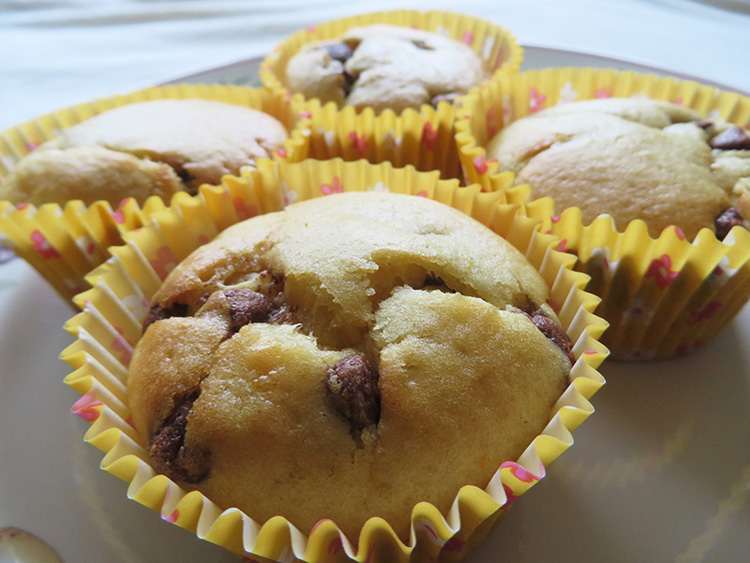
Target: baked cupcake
385, 66
649, 178
632, 158
381, 86
332, 377
293, 364
157, 147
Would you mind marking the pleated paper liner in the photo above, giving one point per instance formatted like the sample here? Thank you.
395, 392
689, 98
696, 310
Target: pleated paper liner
421, 137
110, 326
663, 297
65, 242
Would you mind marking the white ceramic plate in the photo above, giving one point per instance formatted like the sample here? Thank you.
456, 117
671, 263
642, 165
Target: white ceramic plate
661, 472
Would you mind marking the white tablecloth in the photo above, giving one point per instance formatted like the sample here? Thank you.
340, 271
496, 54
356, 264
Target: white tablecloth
56, 53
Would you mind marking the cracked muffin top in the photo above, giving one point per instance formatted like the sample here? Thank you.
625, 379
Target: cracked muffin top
149, 148
632, 159
347, 358
385, 67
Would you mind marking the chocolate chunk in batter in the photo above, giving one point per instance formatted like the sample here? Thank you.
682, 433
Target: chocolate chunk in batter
352, 385
247, 306
734, 139
338, 51
419, 44
726, 220
553, 331
704, 124
349, 79
166, 447
159, 313
549, 328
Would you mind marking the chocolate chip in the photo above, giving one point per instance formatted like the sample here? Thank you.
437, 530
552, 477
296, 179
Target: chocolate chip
550, 328
352, 385
450, 98
166, 446
247, 306
159, 313
419, 44
349, 79
728, 219
704, 124
734, 139
554, 332
338, 51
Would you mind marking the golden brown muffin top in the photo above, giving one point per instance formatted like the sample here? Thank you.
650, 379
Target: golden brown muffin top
629, 158
171, 144
347, 358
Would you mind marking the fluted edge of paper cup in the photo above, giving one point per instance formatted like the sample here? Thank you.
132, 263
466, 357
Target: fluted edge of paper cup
110, 326
663, 296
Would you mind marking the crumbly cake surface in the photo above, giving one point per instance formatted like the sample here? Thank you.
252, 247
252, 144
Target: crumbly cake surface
385, 67
157, 147
347, 358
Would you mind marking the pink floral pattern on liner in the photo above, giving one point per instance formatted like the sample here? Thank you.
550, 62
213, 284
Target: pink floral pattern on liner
244, 210
165, 262
305, 114
536, 100
480, 164
454, 545
429, 135
282, 153
604, 92
32, 145
683, 349
335, 187
119, 214
87, 407
359, 142
519, 472
22, 206
422, 193
43, 246
336, 545
122, 347
711, 308
467, 38
173, 517
661, 270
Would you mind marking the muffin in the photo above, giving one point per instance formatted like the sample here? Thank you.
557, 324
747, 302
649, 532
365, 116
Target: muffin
157, 147
346, 358
385, 66
633, 158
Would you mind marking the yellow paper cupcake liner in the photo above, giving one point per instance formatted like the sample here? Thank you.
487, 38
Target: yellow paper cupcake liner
420, 137
65, 242
110, 326
663, 297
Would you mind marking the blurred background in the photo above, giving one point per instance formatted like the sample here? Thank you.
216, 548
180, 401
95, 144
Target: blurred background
54, 53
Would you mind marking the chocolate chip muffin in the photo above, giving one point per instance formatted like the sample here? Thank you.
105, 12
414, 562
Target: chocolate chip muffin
385, 67
632, 159
347, 358
149, 148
